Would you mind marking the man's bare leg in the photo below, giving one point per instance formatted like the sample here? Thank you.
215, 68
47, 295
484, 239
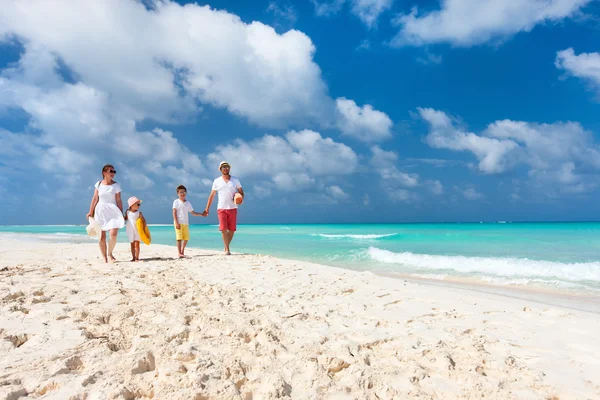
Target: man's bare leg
102, 244
226, 240
112, 242
231, 233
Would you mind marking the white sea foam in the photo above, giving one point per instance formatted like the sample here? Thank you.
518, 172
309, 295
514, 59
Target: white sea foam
514, 268
438, 277
356, 237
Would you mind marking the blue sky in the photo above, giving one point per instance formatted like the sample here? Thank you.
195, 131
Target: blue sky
328, 111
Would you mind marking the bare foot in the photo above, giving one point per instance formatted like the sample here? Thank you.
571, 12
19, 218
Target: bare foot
112, 258
181, 256
133, 260
227, 253
105, 259
137, 260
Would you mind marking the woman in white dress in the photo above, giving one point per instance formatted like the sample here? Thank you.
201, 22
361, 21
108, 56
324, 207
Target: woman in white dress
107, 210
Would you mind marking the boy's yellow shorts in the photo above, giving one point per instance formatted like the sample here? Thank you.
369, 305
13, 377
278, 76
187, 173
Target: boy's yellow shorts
183, 233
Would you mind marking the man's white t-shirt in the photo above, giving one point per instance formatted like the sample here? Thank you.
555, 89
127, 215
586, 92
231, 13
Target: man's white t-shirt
226, 191
182, 211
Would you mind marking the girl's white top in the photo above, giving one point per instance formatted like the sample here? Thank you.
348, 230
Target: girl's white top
131, 227
132, 218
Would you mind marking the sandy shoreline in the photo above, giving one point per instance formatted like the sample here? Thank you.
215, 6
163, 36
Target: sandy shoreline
258, 327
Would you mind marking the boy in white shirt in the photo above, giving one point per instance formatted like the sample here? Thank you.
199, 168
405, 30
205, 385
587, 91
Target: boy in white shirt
227, 187
181, 208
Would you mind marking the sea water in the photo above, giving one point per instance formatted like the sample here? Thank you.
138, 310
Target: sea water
562, 256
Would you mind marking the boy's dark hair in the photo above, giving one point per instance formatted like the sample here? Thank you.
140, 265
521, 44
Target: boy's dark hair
181, 187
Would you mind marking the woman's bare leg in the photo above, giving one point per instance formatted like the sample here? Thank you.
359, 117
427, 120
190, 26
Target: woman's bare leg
112, 242
102, 244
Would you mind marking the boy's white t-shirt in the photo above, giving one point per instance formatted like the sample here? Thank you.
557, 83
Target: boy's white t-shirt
182, 211
226, 191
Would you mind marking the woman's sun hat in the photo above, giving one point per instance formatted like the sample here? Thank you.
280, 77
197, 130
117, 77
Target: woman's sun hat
132, 200
224, 163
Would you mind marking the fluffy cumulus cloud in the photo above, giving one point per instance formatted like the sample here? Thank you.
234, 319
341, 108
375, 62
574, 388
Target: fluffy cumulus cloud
165, 60
363, 123
444, 134
368, 11
397, 184
285, 14
474, 22
292, 162
585, 66
561, 153
74, 127
86, 82
470, 193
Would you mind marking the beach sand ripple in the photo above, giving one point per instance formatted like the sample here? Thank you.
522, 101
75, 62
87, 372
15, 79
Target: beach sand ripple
256, 327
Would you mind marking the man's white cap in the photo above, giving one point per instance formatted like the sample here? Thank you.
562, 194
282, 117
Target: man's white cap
223, 163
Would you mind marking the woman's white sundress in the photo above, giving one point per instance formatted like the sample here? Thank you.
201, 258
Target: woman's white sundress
106, 213
132, 232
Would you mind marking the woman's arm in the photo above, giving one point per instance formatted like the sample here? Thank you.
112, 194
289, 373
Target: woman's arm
93, 203
119, 202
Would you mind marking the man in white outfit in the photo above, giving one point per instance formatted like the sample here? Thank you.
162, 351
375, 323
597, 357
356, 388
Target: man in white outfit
227, 187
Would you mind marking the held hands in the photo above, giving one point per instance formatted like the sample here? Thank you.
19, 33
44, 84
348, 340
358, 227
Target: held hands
204, 213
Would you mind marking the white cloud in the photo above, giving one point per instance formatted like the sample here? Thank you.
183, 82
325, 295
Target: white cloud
585, 66
559, 153
384, 161
470, 193
337, 193
86, 82
430, 59
78, 125
364, 45
292, 162
165, 60
473, 22
402, 195
366, 199
328, 8
436, 187
291, 182
491, 152
368, 11
364, 123
285, 14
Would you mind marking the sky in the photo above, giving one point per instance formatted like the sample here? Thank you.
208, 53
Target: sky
329, 111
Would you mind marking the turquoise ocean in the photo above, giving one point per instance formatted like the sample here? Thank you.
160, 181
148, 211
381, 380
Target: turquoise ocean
563, 256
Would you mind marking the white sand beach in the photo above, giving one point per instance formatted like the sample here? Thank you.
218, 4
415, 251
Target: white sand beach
257, 327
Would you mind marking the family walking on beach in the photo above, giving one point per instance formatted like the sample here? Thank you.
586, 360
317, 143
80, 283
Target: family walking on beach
106, 209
